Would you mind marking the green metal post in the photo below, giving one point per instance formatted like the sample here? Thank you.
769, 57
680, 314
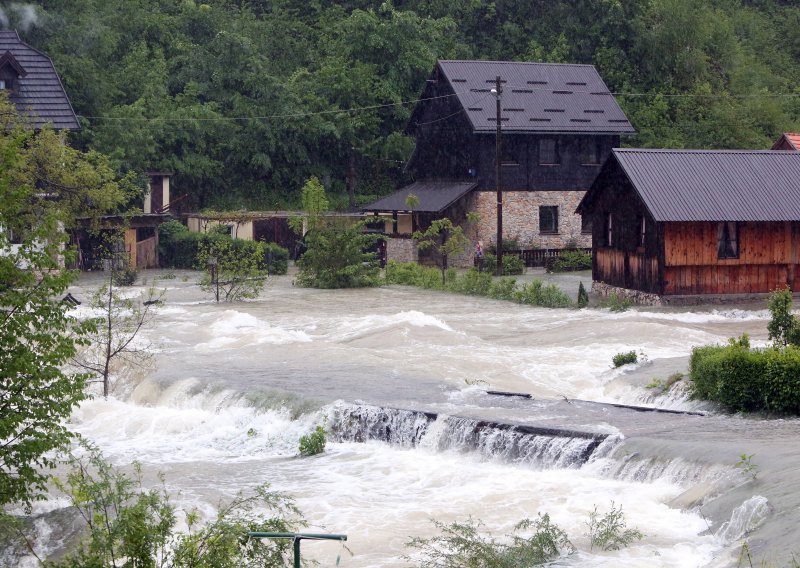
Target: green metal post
297, 537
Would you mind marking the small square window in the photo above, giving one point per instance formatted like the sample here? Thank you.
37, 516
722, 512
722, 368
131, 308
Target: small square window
548, 219
548, 152
590, 151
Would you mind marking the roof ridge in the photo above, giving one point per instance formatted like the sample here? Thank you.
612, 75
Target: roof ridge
513, 62
701, 151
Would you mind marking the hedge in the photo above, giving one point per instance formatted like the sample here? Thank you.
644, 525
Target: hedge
744, 379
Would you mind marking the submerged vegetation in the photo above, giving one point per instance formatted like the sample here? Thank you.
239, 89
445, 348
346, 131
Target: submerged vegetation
534, 542
476, 283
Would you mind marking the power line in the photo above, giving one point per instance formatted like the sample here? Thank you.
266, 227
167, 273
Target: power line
417, 101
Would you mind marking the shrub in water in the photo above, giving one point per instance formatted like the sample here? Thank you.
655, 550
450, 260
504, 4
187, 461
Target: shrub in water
313, 443
503, 288
621, 359
536, 293
583, 297
609, 531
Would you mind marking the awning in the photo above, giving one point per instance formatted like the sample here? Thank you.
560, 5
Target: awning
432, 196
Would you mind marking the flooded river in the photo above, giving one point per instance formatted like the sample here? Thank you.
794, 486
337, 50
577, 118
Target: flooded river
399, 377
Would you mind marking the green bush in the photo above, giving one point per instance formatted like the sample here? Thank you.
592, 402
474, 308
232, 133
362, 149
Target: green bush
276, 258
473, 283
535, 293
413, 274
621, 359
572, 260
313, 443
748, 380
503, 288
583, 296
512, 264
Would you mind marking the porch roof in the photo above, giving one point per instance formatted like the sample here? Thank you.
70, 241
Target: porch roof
432, 196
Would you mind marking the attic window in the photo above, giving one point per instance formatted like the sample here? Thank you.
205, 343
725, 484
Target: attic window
537, 82
10, 72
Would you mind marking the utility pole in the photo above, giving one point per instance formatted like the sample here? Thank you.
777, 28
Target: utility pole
498, 92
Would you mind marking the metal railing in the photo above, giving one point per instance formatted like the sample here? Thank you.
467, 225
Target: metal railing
297, 537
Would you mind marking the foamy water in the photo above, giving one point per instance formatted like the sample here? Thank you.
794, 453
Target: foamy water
236, 385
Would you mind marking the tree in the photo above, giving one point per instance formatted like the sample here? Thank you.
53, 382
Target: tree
337, 251
113, 339
445, 238
783, 327
236, 268
38, 337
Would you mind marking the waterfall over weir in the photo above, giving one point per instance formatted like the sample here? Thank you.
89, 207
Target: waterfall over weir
544, 448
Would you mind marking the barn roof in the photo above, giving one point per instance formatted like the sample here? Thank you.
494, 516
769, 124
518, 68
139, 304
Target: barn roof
788, 141
40, 95
432, 196
537, 97
712, 185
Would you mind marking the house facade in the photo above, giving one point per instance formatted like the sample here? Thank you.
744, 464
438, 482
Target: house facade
669, 225
558, 124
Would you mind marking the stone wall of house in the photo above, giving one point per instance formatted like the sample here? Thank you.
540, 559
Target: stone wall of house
521, 218
401, 250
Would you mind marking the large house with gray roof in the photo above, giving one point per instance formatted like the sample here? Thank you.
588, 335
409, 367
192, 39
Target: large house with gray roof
32, 84
559, 123
671, 225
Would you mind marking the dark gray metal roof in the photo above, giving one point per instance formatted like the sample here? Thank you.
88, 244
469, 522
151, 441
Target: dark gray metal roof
715, 185
537, 97
40, 95
434, 196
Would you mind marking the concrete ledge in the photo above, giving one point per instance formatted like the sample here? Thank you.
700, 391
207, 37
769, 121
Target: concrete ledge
604, 290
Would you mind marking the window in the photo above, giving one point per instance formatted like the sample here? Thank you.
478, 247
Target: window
2, 84
642, 224
728, 240
548, 219
586, 224
509, 155
548, 152
608, 229
590, 151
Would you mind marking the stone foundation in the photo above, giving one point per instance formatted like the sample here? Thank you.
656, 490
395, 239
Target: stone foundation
521, 218
604, 290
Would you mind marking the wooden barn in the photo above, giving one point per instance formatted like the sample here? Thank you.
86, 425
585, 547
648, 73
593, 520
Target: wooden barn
558, 124
674, 223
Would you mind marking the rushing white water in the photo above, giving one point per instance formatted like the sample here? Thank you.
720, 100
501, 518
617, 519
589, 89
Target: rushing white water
236, 386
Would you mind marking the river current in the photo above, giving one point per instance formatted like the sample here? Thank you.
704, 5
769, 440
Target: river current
399, 377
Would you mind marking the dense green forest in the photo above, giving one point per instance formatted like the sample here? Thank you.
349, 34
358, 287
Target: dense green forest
246, 99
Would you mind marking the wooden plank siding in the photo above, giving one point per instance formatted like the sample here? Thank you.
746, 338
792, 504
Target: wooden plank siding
626, 269
768, 256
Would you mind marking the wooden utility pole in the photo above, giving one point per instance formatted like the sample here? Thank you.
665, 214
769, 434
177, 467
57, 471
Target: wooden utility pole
498, 92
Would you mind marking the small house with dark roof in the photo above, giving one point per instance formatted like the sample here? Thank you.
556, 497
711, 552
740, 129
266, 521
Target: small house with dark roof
667, 224
31, 81
558, 124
